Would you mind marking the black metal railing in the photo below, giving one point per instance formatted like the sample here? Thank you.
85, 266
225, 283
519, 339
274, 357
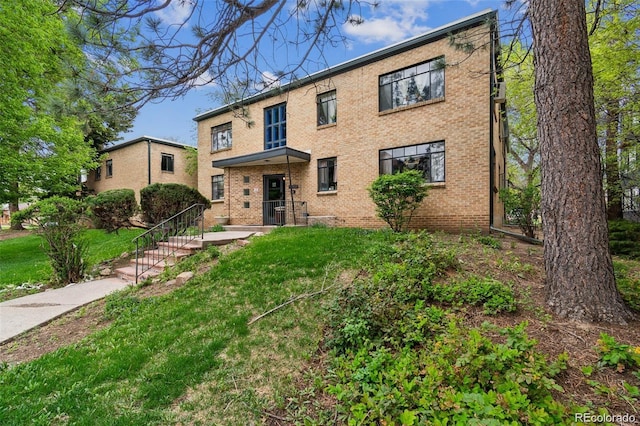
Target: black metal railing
281, 212
163, 240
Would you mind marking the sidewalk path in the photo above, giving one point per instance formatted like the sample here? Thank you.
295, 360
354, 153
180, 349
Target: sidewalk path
24, 313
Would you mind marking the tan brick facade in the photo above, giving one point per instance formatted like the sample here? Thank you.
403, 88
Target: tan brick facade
137, 163
463, 119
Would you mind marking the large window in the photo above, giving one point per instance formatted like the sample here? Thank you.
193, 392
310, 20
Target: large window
109, 168
166, 164
275, 126
426, 157
327, 108
221, 137
411, 85
217, 187
327, 174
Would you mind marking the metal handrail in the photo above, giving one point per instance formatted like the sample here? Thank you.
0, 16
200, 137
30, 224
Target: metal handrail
175, 233
281, 212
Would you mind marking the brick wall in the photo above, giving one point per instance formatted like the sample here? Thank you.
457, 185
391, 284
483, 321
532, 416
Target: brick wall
130, 168
462, 120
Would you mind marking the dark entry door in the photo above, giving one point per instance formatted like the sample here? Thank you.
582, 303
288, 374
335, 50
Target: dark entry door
273, 211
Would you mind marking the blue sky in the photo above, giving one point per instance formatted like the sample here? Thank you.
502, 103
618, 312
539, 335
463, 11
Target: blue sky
392, 21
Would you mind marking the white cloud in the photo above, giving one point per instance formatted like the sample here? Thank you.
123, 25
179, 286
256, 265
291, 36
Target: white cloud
269, 81
204, 80
175, 13
391, 21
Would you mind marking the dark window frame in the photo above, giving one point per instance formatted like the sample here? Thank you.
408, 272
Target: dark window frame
275, 126
109, 168
221, 137
323, 108
428, 157
98, 173
217, 187
399, 88
328, 174
167, 162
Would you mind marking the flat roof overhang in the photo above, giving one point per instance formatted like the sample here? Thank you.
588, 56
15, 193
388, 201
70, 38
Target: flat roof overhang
280, 155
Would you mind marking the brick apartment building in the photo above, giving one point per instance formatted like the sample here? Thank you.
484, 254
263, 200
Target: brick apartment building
307, 151
141, 162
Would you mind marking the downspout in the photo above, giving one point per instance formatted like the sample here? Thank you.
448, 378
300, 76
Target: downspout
148, 162
228, 200
293, 204
492, 71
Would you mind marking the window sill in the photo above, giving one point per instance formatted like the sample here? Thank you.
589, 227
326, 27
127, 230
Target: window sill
326, 126
416, 105
220, 201
167, 171
221, 150
435, 185
327, 192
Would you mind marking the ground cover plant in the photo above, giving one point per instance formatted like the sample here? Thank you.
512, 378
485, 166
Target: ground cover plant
329, 326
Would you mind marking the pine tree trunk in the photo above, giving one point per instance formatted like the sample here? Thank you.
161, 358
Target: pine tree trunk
580, 284
614, 185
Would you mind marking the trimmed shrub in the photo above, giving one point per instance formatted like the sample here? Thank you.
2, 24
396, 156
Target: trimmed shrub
398, 196
160, 201
111, 210
59, 223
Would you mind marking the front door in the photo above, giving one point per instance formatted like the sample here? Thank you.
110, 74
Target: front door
273, 211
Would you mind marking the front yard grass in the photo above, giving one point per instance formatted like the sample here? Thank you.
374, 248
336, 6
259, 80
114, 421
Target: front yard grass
24, 261
402, 329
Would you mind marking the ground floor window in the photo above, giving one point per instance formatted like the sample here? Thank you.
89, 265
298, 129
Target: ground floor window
109, 165
327, 174
426, 157
166, 165
217, 187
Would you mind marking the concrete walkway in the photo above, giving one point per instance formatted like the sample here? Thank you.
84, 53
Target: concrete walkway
24, 313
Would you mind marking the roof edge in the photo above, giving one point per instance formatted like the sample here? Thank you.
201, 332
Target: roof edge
376, 55
145, 138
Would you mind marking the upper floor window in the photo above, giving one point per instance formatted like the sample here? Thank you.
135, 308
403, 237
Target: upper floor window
98, 173
221, 137
217, 187
275, 126
166, 164
109, 168
327, 108
411, 85
327, 171
426, 157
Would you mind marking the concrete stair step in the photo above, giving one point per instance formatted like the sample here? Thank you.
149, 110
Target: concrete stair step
160, 253
157, 264
128, 273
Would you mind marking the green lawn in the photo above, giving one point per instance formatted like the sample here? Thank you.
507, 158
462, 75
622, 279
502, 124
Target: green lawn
24, 261
387, 338
136, 371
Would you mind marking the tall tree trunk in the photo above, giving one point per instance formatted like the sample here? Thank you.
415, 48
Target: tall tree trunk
611, 167
580, 284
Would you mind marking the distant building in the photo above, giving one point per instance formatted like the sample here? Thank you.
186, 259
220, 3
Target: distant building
307, 151
140, 162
